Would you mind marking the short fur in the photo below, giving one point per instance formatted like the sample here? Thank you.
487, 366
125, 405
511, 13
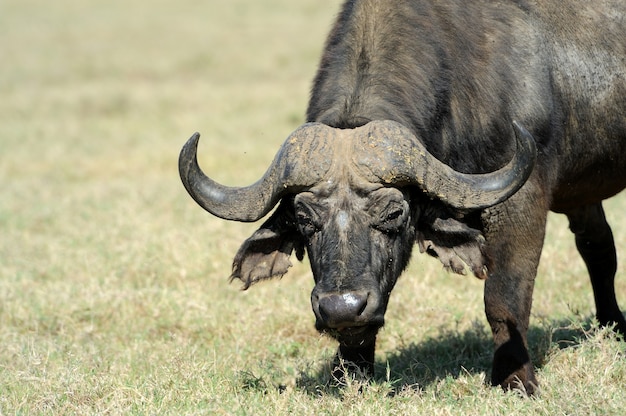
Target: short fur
457, 73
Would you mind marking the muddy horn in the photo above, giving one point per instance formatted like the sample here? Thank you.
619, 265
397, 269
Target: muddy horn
301, 162
382, 151
393, 155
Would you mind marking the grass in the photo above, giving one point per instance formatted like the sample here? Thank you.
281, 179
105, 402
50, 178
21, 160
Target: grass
113, 284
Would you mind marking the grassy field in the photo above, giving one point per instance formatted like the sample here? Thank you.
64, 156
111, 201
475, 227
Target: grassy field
114, 297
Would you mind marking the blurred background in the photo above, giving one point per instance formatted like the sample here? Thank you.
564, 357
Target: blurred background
114, 293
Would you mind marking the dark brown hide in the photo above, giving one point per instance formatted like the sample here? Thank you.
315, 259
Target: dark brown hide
455, 75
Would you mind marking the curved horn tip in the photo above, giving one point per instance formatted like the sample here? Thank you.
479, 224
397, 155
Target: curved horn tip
188, 153
190, 148
521, 129
194, 139
529, 139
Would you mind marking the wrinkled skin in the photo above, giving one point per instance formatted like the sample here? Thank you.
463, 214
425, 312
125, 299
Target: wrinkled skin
356, 259
359, 240
455, 74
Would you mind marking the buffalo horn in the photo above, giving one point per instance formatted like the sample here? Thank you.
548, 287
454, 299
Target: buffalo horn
382, 152
394, 155
301, 162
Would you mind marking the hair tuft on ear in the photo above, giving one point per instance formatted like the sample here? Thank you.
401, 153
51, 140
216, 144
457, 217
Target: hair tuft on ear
265, 255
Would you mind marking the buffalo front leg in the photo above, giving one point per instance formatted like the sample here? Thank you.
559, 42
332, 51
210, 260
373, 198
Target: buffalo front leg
354, 361
594, 241
515, 239
507, 306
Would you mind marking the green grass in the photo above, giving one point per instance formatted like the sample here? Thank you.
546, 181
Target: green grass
114, 296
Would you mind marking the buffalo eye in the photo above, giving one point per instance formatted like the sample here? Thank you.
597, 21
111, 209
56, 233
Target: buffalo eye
394, 214
392, 218
307, 223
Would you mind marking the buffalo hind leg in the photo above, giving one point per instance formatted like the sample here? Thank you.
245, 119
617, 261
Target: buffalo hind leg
594, 241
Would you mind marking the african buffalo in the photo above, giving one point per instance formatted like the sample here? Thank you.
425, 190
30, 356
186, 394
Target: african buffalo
456, 125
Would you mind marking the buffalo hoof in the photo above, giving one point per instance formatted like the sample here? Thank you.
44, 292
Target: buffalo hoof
353, 362
512, 369
522, 380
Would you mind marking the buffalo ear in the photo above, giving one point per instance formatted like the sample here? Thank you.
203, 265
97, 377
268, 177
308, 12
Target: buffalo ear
455, 243
266, 253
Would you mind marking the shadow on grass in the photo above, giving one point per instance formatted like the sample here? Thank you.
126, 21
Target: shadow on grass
422, 364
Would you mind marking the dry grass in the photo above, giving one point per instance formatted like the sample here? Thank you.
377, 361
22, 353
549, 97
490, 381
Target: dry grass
113, 284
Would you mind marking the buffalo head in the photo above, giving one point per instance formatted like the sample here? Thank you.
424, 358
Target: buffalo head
356, 200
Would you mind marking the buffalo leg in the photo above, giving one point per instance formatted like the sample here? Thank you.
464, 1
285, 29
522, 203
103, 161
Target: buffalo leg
356, 360
507, 306
515, 239
595, 244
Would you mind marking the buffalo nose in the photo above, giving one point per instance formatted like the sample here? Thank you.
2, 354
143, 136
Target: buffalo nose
342, 310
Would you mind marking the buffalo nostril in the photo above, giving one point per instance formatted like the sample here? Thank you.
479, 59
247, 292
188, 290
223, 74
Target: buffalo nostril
341, 309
